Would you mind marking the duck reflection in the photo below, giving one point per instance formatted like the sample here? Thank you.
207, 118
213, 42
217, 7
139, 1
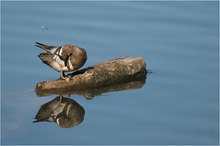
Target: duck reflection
62, 110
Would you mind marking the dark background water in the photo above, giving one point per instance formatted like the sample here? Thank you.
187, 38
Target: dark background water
178, 104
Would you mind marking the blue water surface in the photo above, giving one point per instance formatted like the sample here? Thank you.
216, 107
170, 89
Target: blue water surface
179, 102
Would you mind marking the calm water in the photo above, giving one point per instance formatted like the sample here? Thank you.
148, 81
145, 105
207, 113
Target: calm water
179, 102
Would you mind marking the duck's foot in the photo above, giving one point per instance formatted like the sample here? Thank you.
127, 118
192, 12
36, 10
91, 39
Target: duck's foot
67, 79
62, 76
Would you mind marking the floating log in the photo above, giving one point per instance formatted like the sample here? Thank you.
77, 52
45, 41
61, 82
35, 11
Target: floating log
98, 78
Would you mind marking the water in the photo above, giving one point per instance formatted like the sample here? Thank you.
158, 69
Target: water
179, 102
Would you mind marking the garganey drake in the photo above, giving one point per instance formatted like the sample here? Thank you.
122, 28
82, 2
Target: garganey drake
63, 58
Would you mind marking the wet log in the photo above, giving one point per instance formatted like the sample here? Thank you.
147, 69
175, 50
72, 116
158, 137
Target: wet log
117, 71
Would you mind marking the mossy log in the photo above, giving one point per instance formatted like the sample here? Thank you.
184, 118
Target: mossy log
117, 71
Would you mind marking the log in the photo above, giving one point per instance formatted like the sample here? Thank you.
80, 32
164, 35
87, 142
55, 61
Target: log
114, 72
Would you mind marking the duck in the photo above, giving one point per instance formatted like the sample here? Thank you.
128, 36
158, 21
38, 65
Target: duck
63, 111
64, 58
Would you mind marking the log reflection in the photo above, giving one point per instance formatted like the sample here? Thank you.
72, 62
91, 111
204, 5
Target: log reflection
64, 111
89, 93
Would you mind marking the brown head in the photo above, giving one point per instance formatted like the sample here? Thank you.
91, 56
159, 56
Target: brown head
77, 55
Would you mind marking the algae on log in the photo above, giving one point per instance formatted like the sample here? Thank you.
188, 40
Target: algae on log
121, 70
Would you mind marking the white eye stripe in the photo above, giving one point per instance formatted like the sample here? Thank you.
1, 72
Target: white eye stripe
70, 64
68, 109
55, 57
60, 52
58, 122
